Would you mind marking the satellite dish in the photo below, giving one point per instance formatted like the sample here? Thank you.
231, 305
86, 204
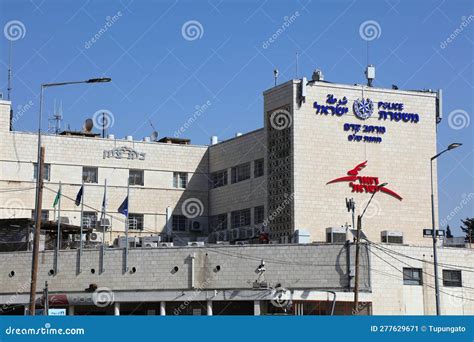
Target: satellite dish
88, 125
154, 135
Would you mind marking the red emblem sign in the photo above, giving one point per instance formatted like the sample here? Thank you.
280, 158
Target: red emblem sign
363, 183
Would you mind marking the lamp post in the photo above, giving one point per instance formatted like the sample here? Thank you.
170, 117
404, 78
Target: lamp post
37, 218
434, 231
357, 256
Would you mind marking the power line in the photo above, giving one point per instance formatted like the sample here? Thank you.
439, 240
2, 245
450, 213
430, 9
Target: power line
430, 286
450, 266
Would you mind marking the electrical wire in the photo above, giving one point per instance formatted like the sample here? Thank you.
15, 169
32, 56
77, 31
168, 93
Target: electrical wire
430, 286
450, 266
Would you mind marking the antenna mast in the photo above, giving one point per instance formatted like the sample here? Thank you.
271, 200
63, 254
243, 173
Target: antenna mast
9, 89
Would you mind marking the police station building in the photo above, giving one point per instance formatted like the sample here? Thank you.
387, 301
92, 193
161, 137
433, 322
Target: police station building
277, 194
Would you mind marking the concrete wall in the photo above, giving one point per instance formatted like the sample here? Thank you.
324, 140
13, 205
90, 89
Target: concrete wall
292, 266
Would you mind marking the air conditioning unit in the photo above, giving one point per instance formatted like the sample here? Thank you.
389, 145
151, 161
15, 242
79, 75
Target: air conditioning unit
389, 236
222, 236
96, 237
244, 233
336, 234
166, 244
301, 236
122, 242
103, 223
150, 241
77, 237
196, 243
198, 224
234, 234
255, 232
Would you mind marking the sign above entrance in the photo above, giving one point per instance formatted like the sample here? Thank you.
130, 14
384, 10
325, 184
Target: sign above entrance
369, 184
124, 152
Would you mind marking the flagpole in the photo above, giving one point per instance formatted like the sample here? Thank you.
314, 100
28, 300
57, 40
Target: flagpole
58, 233
82, 226
104, 214
126, 225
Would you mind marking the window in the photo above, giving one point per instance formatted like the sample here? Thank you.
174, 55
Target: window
240, 173
219, 222
219, 178
258, 168
258, 214
240, 218
452, 278
90, 174
44, 215
89, 219
179, 223
46, 171
180, 180
135, 221
136, 177
412, 276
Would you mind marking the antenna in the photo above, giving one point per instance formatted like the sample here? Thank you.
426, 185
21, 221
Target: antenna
57, 118
9, 88
297, 64
154, 134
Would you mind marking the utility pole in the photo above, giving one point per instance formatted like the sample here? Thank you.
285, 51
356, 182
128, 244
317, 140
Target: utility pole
36, 238
356, 277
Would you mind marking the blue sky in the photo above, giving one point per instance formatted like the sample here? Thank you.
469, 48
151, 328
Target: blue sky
161, 74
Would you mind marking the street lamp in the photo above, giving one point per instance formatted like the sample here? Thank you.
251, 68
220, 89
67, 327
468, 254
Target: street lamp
433, 228
37, 217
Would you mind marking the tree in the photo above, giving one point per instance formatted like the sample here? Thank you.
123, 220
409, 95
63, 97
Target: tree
468, 229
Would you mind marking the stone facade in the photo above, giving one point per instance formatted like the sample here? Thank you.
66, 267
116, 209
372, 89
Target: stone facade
321, 151
228, 273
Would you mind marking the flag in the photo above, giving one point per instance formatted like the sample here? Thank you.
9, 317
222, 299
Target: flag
56, 199
79, 196
123, 209
104, 206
